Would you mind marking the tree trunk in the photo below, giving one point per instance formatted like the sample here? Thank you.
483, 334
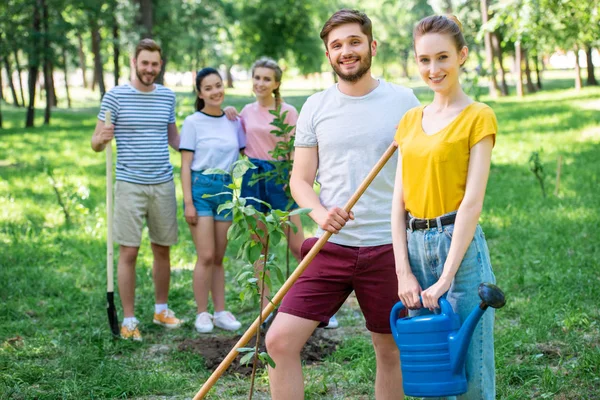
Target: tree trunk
229, 78
65, 67
11, 84
578, 83
489, 52
98, 69
404, 63
82, 60
529, 81
591, 77
47, 66
161, 77
116, 50
518, 69
538, 73
145, 18
33, 65
1, 82
53, 86
498, 50
19, 69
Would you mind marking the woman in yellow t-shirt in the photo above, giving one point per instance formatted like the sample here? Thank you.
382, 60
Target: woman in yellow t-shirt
443, 167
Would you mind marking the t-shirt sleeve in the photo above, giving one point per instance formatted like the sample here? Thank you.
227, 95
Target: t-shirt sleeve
188, 136
305, 131
110, 102
241, 135
485, 125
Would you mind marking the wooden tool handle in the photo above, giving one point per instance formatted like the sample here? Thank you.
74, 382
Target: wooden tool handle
109, 212
292, 279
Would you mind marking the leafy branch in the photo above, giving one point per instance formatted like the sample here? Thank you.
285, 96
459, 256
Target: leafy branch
257, 231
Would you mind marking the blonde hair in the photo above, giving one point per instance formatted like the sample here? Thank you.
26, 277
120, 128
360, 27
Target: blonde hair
442, 24
266, 62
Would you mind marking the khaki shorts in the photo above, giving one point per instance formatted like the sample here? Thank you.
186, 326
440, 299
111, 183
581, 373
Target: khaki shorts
155, 203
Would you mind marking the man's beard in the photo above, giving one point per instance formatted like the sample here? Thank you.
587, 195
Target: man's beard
365, 65
142, 81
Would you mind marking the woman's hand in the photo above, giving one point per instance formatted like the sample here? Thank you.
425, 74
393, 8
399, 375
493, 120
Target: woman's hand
432, 294
231, 113
409, 291
191, 216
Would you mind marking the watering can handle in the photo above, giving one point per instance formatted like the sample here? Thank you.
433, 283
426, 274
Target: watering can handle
444, 305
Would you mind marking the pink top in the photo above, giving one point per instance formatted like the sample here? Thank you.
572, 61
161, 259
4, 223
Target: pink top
257, 125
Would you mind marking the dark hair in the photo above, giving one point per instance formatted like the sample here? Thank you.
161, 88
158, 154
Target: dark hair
203, 73
147, 44
445, 25
347, 16
266, 62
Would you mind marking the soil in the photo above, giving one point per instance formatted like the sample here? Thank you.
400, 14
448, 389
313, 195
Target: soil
214, 348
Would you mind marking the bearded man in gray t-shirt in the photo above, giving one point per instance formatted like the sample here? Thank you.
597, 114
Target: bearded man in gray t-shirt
342, 132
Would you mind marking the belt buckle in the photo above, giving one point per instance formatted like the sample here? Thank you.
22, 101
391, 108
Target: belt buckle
428, 226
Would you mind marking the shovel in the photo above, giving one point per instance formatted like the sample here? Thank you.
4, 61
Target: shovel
288, 284
113, 319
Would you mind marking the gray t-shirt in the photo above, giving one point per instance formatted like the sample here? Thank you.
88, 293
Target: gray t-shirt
215, 141
351, 134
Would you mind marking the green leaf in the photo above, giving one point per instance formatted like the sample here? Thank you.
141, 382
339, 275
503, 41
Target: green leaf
300, 211
279, 274
275, 237
265, 357
246, 359
245, 349
214, 171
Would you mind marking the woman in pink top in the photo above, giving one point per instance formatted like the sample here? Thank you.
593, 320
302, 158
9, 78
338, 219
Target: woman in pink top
257, 119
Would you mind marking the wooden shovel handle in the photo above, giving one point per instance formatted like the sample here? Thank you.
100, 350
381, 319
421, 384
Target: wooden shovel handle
109, 212
292, 279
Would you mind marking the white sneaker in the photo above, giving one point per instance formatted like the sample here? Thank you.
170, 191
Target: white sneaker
226, 320
204, 323
333, 323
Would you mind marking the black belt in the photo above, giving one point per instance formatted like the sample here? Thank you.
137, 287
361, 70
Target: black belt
418, 223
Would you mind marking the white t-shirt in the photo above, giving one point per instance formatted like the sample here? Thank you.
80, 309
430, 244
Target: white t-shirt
215, 141
351, 134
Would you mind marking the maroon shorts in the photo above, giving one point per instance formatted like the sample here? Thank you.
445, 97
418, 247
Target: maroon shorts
332, 275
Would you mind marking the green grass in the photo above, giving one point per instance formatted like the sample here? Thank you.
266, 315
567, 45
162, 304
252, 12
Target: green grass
54, 339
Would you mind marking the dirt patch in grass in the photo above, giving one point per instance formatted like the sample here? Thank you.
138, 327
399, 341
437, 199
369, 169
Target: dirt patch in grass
214, 348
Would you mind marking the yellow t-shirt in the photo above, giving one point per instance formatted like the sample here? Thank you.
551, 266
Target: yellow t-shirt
434, 167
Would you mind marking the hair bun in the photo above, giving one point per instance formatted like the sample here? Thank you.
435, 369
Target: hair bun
454, 19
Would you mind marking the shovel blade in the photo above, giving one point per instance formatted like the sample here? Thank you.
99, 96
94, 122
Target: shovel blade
113, 319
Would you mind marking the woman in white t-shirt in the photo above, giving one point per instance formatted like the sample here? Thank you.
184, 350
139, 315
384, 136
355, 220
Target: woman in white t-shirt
209, 140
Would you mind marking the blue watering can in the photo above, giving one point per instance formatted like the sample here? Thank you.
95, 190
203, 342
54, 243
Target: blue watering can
433, 347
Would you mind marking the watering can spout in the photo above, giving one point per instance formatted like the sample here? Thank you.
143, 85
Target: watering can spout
491, 296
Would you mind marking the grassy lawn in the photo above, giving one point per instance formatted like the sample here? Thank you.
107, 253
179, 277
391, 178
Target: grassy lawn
54, 337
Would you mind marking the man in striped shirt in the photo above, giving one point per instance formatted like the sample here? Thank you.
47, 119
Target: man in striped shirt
143, 123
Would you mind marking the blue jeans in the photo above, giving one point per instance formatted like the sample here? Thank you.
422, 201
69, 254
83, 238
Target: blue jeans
427, 251
211, 184
266, 190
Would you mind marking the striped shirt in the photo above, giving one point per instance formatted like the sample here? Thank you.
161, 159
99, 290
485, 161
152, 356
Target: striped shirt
141, 120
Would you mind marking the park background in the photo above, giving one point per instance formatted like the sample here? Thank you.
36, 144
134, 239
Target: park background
532, 61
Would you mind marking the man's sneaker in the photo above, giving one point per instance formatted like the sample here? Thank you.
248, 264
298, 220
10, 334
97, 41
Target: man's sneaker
333, 323
167, 319
204, 322
131, 331
227, 321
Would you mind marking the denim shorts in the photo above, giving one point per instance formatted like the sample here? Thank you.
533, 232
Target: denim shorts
211, 184
427, 252
266, 190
